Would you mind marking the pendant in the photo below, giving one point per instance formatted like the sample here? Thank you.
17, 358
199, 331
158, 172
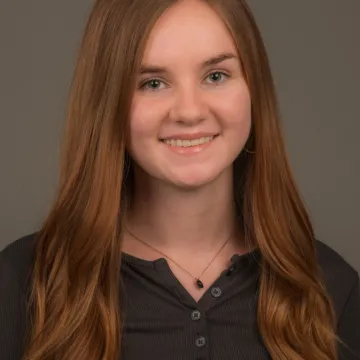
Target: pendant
199, 283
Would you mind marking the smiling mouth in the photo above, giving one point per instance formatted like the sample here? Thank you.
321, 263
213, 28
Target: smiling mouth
188, 143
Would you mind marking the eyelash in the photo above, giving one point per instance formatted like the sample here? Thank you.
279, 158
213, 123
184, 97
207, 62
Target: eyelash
144, 83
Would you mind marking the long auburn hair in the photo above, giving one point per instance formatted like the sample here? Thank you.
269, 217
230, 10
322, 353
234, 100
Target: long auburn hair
74, 298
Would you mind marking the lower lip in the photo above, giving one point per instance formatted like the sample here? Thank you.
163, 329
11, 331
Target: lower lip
190, 150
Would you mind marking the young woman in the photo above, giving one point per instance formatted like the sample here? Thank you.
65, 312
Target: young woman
178, 231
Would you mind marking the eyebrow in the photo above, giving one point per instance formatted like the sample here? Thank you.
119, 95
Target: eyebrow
151, 69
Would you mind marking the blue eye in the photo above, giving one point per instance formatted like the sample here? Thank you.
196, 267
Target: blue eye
155, 82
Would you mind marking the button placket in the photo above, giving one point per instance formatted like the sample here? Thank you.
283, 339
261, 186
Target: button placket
199, 332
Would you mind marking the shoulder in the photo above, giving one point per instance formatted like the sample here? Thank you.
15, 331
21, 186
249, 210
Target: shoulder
339, 276
16, 260
334, 267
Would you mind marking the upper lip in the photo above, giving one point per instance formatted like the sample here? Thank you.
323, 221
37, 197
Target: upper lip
192, 136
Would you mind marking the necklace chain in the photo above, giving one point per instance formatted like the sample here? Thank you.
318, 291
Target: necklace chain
198, 282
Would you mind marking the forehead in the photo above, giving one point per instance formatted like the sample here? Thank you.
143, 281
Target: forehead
188, 31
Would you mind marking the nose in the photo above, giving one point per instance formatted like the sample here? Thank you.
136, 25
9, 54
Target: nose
189, 106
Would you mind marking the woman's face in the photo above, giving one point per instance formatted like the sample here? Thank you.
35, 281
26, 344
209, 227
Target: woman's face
190, 115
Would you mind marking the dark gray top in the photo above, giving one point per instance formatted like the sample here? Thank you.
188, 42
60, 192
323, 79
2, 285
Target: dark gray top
162, 321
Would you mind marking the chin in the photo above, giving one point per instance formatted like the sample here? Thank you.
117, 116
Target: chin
193, 182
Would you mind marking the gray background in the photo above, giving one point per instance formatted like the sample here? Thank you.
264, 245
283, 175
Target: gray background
314, 49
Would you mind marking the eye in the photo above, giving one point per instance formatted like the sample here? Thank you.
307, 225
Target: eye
216, 75
151, 85
154, 84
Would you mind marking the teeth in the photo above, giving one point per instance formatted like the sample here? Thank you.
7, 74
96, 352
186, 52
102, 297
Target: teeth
188, 143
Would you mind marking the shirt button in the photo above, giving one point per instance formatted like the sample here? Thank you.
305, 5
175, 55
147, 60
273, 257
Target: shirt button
216, 292
231, 270
200, 341
195, 315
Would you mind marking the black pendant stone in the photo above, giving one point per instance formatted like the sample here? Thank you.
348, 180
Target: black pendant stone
199, 283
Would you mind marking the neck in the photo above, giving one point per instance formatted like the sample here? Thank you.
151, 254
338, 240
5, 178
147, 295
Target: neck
184, 221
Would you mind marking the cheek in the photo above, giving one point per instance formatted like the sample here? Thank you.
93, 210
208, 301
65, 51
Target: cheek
140, 123
145, 117
235, 109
